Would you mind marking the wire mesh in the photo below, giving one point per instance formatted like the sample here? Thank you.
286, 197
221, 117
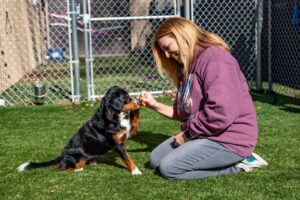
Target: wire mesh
36, 61
121, 37
285, 48
34, 43
235, 22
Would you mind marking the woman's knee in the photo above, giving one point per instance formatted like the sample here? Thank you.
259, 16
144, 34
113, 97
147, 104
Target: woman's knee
154, 160
167, 169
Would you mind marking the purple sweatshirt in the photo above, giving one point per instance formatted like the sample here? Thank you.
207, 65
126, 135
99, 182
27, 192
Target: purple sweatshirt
220, 107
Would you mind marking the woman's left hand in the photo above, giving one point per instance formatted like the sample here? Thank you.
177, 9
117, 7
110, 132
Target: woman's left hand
180, 138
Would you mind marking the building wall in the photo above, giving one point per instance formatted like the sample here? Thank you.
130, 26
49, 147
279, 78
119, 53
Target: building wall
17, 54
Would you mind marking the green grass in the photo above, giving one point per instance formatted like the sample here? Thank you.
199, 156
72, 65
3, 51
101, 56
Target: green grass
39, 133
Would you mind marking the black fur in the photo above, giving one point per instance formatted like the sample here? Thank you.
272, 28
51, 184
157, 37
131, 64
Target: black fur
95, 137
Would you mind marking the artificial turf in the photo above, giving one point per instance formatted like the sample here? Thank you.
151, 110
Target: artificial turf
38, 133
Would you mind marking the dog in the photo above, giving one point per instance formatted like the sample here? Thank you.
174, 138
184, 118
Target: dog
115, 120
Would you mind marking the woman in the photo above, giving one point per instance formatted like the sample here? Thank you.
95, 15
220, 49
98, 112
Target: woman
219, 127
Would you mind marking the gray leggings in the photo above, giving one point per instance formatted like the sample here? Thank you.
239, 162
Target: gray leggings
194, 159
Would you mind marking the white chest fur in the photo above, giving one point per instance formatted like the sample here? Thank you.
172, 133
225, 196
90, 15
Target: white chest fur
125, 122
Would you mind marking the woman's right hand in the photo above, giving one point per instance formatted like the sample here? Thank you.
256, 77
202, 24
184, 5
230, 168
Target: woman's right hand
146, 99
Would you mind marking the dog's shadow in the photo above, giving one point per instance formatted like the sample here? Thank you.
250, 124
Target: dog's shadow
150, 139
110, 158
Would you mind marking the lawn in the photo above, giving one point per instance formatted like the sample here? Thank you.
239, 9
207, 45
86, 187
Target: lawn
38, 133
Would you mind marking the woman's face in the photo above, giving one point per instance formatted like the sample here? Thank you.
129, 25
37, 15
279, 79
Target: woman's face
169, 46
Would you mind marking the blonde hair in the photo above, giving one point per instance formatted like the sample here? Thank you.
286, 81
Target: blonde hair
188, 36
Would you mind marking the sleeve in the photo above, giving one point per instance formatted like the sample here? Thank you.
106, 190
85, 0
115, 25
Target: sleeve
222, 94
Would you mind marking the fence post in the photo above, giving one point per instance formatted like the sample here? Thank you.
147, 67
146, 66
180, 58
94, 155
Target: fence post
76, 70
187, 9
270, 46
87, 50
258, 44
177, 9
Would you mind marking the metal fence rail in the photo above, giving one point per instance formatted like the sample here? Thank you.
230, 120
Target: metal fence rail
35, 52
55, 52
120, 34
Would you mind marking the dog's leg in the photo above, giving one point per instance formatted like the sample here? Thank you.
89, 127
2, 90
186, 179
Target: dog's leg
78, 166
134, 121
131, 166
127, 160
120, 139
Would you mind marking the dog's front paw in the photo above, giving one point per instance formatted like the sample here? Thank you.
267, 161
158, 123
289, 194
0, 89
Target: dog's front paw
136, 171
78, 170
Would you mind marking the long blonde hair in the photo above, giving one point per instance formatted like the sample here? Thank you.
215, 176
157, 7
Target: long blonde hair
188, 36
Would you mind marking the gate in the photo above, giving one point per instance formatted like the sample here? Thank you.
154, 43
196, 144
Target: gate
117, 37
55, 52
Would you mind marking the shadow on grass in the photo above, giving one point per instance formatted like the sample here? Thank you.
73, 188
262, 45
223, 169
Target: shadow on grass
110, 158
150, 139
288, 104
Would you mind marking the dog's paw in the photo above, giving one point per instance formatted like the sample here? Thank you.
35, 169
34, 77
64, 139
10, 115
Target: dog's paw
136, 171
78, 170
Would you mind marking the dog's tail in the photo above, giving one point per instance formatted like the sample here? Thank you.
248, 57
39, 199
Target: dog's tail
34, 165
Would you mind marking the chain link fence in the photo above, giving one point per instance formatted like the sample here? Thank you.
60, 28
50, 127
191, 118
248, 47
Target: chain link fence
55, 53
281, 47
34, 43
235, 21
121, 34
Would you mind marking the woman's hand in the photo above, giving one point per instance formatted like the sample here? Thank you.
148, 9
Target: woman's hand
146, 99
180, 138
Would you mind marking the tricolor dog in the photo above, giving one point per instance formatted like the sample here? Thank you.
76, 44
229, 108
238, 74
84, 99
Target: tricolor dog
116, 120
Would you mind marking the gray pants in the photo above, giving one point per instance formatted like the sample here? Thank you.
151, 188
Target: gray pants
194, 159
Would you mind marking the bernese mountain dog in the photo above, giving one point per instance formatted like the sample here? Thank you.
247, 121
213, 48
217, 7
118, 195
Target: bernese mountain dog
116, 120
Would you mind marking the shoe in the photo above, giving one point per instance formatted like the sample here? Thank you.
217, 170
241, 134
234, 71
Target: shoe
251, 162
244, 167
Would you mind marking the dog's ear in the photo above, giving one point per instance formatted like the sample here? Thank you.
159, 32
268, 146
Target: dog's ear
109, 113
112, 105
100, 110
104, 111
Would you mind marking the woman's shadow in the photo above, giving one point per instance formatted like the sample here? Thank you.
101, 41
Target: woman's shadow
150, 139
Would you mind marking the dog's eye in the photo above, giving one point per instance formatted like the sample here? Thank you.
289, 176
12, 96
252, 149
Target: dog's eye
126, 100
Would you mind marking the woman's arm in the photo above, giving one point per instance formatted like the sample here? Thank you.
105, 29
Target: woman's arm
225, 92
150, 102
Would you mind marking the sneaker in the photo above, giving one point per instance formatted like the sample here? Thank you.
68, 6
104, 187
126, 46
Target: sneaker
244, 167
250, 162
